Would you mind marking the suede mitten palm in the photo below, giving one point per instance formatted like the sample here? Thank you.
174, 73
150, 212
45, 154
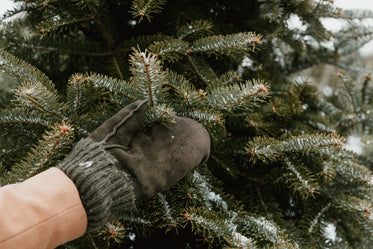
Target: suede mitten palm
119, 163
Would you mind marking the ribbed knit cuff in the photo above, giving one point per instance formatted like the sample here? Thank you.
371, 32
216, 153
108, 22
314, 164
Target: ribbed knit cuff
104, 190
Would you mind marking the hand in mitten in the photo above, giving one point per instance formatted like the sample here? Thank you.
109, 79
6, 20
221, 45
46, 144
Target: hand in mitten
160, 157
119, 163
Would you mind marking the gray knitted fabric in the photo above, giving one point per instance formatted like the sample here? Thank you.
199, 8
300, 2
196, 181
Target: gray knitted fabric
104, 190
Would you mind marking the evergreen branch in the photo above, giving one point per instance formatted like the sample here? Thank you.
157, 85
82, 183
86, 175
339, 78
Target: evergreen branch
20, 115
148, 75
321, 126
182, 89
50, 147
317, 30
351, 171
329, 171
324, 8
238, 95
115, 86
255, 121
352, 38
148, 79
206, 116
211, 225
14, 11
169, 50
202, 190
352, 92
147, 8
271, 149
331, 110
361, 224
45, 159
194, 29
196, 69
264, 230
227, 44
359, 14
117, 68
70, 92
300, 179
353, 68
317, 218
225, 79
203, 70
352, 204
138, 219
167, 212
36, 95
113, 232
159, 114
24, 72
83, 92
40, 106
54, 23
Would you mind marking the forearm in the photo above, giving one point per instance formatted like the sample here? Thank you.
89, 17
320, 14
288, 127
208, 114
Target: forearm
42, 212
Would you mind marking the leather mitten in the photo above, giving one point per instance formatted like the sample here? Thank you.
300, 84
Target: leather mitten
119, 163
157, 159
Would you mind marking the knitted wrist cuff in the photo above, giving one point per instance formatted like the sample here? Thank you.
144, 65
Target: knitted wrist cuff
104, 190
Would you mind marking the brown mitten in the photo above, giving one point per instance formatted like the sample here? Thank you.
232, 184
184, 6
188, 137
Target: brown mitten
118, 163
161, 157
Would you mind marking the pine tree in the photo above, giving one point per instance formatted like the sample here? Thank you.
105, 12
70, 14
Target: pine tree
278, 173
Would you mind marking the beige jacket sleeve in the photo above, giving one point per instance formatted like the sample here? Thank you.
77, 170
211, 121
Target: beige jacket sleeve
41, 213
